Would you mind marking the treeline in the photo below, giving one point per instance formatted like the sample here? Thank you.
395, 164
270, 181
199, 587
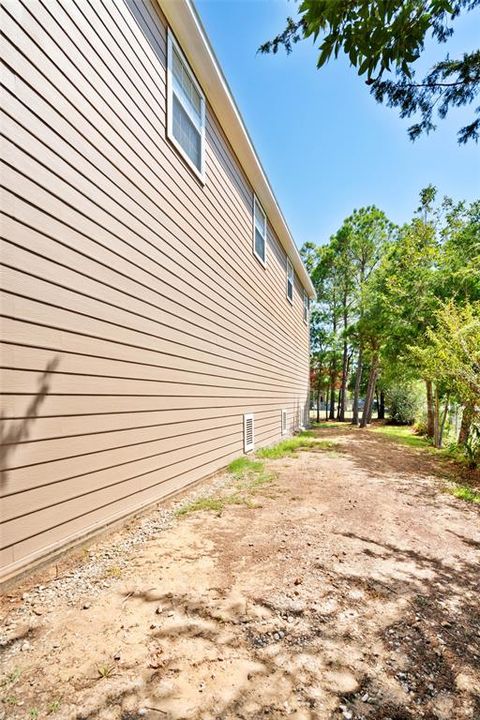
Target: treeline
397, 318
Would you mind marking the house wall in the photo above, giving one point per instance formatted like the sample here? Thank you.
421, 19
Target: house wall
137, 325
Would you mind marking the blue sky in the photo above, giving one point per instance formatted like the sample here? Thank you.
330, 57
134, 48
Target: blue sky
326, 145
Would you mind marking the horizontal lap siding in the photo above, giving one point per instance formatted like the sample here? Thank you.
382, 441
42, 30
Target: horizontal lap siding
137, 326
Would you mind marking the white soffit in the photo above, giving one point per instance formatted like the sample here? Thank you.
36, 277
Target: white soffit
185, 23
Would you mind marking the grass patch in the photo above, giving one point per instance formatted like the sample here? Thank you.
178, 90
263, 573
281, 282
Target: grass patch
250, 475
403, 434
53, 707
258, 480
287, 447
105, 671
12, 677
245, 465
463, 492
216, 504
329, 424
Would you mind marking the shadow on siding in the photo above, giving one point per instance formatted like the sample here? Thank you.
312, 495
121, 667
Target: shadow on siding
12, 433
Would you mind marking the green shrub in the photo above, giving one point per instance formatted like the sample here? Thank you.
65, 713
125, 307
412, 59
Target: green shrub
472, 447
464, 492
420, 426
403, 403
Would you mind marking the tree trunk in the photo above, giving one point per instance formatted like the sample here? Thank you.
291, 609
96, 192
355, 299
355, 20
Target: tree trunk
467, 418
358, 380
442, 423
318, 405
331, 415
381, 406
327, 397
436, 419
343, 391
430, 410
370, 409
372, 379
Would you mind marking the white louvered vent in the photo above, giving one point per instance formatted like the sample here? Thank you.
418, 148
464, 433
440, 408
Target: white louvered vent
248, 432
284, 422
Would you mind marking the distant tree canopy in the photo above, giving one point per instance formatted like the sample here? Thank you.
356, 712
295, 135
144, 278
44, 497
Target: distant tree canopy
382, 40
398, 308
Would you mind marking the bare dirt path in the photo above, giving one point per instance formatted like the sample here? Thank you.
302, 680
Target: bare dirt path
348, 588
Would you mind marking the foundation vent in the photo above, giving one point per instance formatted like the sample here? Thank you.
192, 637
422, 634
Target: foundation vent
248, 432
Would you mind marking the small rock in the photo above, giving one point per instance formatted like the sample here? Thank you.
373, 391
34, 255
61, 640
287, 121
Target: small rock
26, 646
158, 610
365, 697
297, 581
290, 618
152, 626
116, 656
86, 606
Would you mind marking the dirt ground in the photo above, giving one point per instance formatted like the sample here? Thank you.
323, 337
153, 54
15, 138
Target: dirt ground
348, 588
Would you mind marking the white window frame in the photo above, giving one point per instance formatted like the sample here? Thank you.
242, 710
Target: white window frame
257, 206
171, 44
284, 421
306, 307
248, 447
290, 278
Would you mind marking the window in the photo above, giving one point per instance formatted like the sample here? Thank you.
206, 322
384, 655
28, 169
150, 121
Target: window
248, 432
259, 232
186, 110
306, 307
289, 281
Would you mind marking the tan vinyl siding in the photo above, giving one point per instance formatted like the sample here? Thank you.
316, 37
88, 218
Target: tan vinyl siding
137, 325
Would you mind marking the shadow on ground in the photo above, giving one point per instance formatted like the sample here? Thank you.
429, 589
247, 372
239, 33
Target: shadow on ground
262, 656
